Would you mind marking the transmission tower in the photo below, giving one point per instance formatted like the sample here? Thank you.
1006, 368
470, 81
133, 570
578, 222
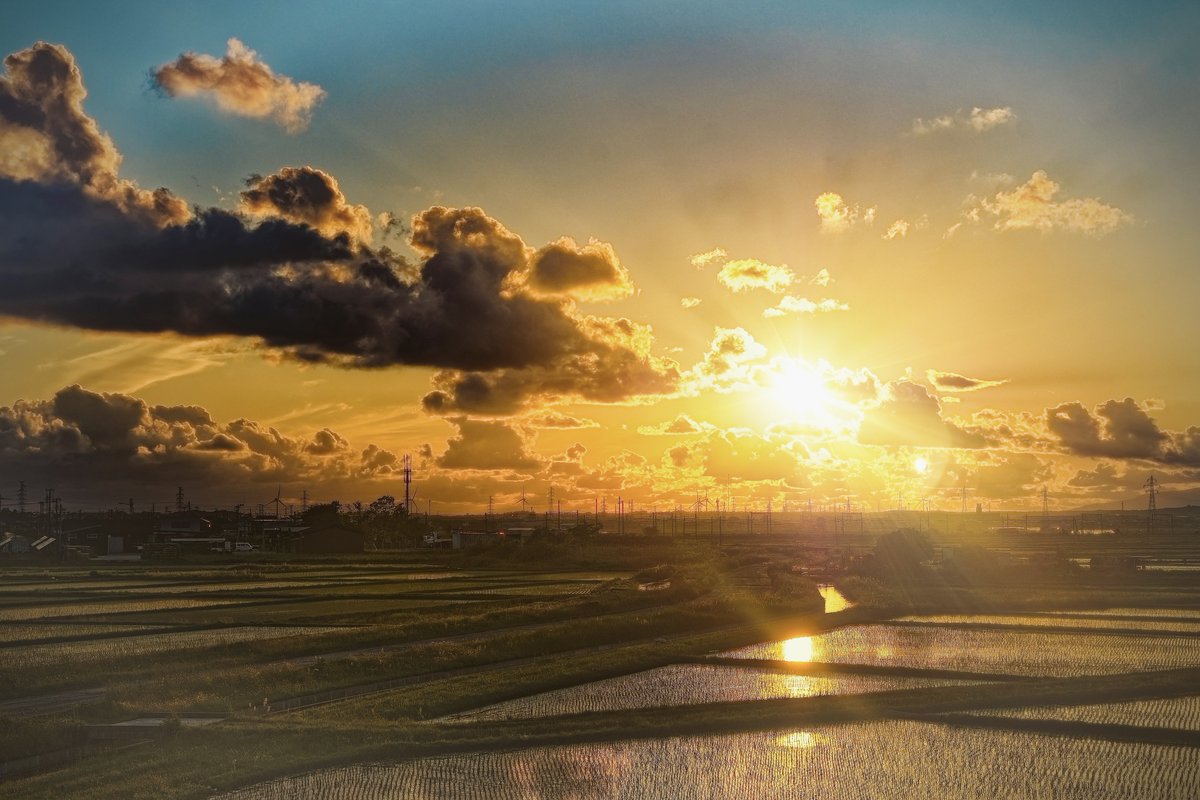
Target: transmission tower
407, 483
179, 499
1151, 488
21, 498
1045, 504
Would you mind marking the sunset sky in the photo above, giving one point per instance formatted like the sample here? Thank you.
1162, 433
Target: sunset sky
784, 252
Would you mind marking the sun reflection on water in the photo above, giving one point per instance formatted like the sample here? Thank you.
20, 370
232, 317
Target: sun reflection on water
800, 739
799, 649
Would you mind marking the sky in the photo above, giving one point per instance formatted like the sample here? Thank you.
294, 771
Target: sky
881, 254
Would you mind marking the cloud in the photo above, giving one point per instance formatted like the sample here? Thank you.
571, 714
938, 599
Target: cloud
897, 230
750, 273
791, 304
94, 446
486, 445
822, 278
836, 216
908, 415
1010, 475
1033, 206
714, 256
953, 382
588, 272
240, 83
308, 196
689, 302
80, 247
326, 442
681, 425
46, 137
727, 366
557, 420
735, 456
615, 365
977, 120
1118, 429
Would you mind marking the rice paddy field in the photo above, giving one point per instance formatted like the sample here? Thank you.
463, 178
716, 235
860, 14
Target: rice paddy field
455, 680
687, 684
846, 762
1177, 712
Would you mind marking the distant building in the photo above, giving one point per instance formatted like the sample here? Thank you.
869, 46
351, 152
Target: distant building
463, 539
182, 524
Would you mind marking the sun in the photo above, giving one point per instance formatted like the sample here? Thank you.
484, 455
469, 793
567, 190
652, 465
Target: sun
921, 464
801, 393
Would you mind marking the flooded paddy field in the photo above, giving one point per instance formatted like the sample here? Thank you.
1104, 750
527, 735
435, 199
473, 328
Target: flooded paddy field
844, 762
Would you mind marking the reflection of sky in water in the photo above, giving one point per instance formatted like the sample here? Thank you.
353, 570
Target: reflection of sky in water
835, 601
843, 762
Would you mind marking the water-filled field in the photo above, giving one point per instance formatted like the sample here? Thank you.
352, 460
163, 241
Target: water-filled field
1177, 712
686, 684
1189, 625
998, 651
846, 762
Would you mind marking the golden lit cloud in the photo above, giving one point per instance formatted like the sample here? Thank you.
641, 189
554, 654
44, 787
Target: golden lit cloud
242, 84
836, 216
310, 196
585, 272
714, 256
689, 302
977, 120
750, 273
790, 304
897, 230
953, 382
1034, 206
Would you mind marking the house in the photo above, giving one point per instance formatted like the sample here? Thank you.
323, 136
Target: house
327, 539
14, 544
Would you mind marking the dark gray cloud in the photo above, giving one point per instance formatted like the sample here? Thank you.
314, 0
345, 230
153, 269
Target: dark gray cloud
79, 247
1120, 429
